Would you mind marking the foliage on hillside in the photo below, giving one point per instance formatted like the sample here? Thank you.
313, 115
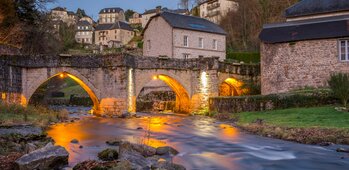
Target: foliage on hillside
244, 26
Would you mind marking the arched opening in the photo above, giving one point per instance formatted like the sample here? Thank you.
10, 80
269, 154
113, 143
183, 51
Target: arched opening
76, 92
171, 97
231, 87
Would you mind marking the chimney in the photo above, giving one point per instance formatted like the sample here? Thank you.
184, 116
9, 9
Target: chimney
158, 9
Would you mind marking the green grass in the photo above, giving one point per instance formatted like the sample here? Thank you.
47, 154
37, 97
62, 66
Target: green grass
323, 117
11, 114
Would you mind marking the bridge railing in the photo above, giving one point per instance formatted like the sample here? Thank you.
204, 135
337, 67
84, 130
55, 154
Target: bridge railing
126, 60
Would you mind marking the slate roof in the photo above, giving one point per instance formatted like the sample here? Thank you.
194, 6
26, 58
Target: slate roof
71, 13
178, 11
110, 10
83, 23
189, 23
117, 25
312, 7
59, 9
331, 27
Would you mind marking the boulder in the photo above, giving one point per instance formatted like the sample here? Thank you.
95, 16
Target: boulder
342, 150
74, 141
137, 161
127, 115
144, 150
122, 165
108, 155
168, 166
166, 150
93, 164
30, 147
114, 142
48, 157
22, 130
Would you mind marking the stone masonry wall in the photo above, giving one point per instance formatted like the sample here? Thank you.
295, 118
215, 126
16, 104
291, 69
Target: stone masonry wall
288, 66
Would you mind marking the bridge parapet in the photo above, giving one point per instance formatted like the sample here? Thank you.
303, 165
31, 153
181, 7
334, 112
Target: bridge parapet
240, 68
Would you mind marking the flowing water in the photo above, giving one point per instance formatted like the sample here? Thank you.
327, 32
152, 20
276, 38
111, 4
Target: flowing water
203, 143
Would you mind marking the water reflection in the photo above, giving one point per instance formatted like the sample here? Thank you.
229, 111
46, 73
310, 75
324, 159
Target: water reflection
202, 143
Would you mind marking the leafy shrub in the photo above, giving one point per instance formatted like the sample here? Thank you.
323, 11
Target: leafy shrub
236, 104
246, 57
339, 84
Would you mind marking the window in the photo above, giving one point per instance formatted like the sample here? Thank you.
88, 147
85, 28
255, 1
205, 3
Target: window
149, 44
186, 56
344, 50
185, 41
78, 27
215, 44
86, 27
201, 43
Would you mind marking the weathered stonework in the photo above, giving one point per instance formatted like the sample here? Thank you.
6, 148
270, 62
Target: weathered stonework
288, 66
114, 82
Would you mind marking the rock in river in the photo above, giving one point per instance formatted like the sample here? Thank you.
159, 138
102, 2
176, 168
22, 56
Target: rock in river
166, 150
108, 155
48, 157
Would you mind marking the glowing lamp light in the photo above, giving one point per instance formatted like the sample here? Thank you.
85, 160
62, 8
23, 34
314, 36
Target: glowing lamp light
155, 77
61, 75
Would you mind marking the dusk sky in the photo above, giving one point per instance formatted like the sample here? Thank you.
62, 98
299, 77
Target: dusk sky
92, 7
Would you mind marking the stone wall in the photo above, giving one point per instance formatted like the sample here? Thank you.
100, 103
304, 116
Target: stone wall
114, 81
238, 104
288, 66
8, 50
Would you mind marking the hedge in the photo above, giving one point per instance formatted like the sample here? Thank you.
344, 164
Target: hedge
269, 102
246, 57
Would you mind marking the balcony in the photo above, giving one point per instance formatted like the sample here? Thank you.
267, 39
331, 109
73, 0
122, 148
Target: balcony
213, 13
213, 6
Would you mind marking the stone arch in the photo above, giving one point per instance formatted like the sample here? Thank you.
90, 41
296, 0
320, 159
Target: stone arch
34, 81
231, 87
182, 93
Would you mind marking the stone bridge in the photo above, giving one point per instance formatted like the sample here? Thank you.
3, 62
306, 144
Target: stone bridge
113, 82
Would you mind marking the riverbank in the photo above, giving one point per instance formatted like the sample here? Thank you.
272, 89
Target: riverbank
12, 114
317, 125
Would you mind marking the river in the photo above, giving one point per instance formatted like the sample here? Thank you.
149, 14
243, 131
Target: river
203, 143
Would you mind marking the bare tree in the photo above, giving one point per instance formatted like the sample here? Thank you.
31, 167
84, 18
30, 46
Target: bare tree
244, 25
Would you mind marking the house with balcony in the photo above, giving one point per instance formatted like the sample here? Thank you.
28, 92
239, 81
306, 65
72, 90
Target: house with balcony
115, 34
214, 10
181, 36
305, 50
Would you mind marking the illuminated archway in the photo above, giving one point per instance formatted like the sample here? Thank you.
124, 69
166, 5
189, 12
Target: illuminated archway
182, 96
231, 87
90, 92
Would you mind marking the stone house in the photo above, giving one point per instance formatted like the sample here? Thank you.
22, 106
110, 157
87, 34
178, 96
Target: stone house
307, 48
111, 15
88, 19
84, 32
146, 16
135, 19
60, 14
120, 32
182, 36
214, 10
